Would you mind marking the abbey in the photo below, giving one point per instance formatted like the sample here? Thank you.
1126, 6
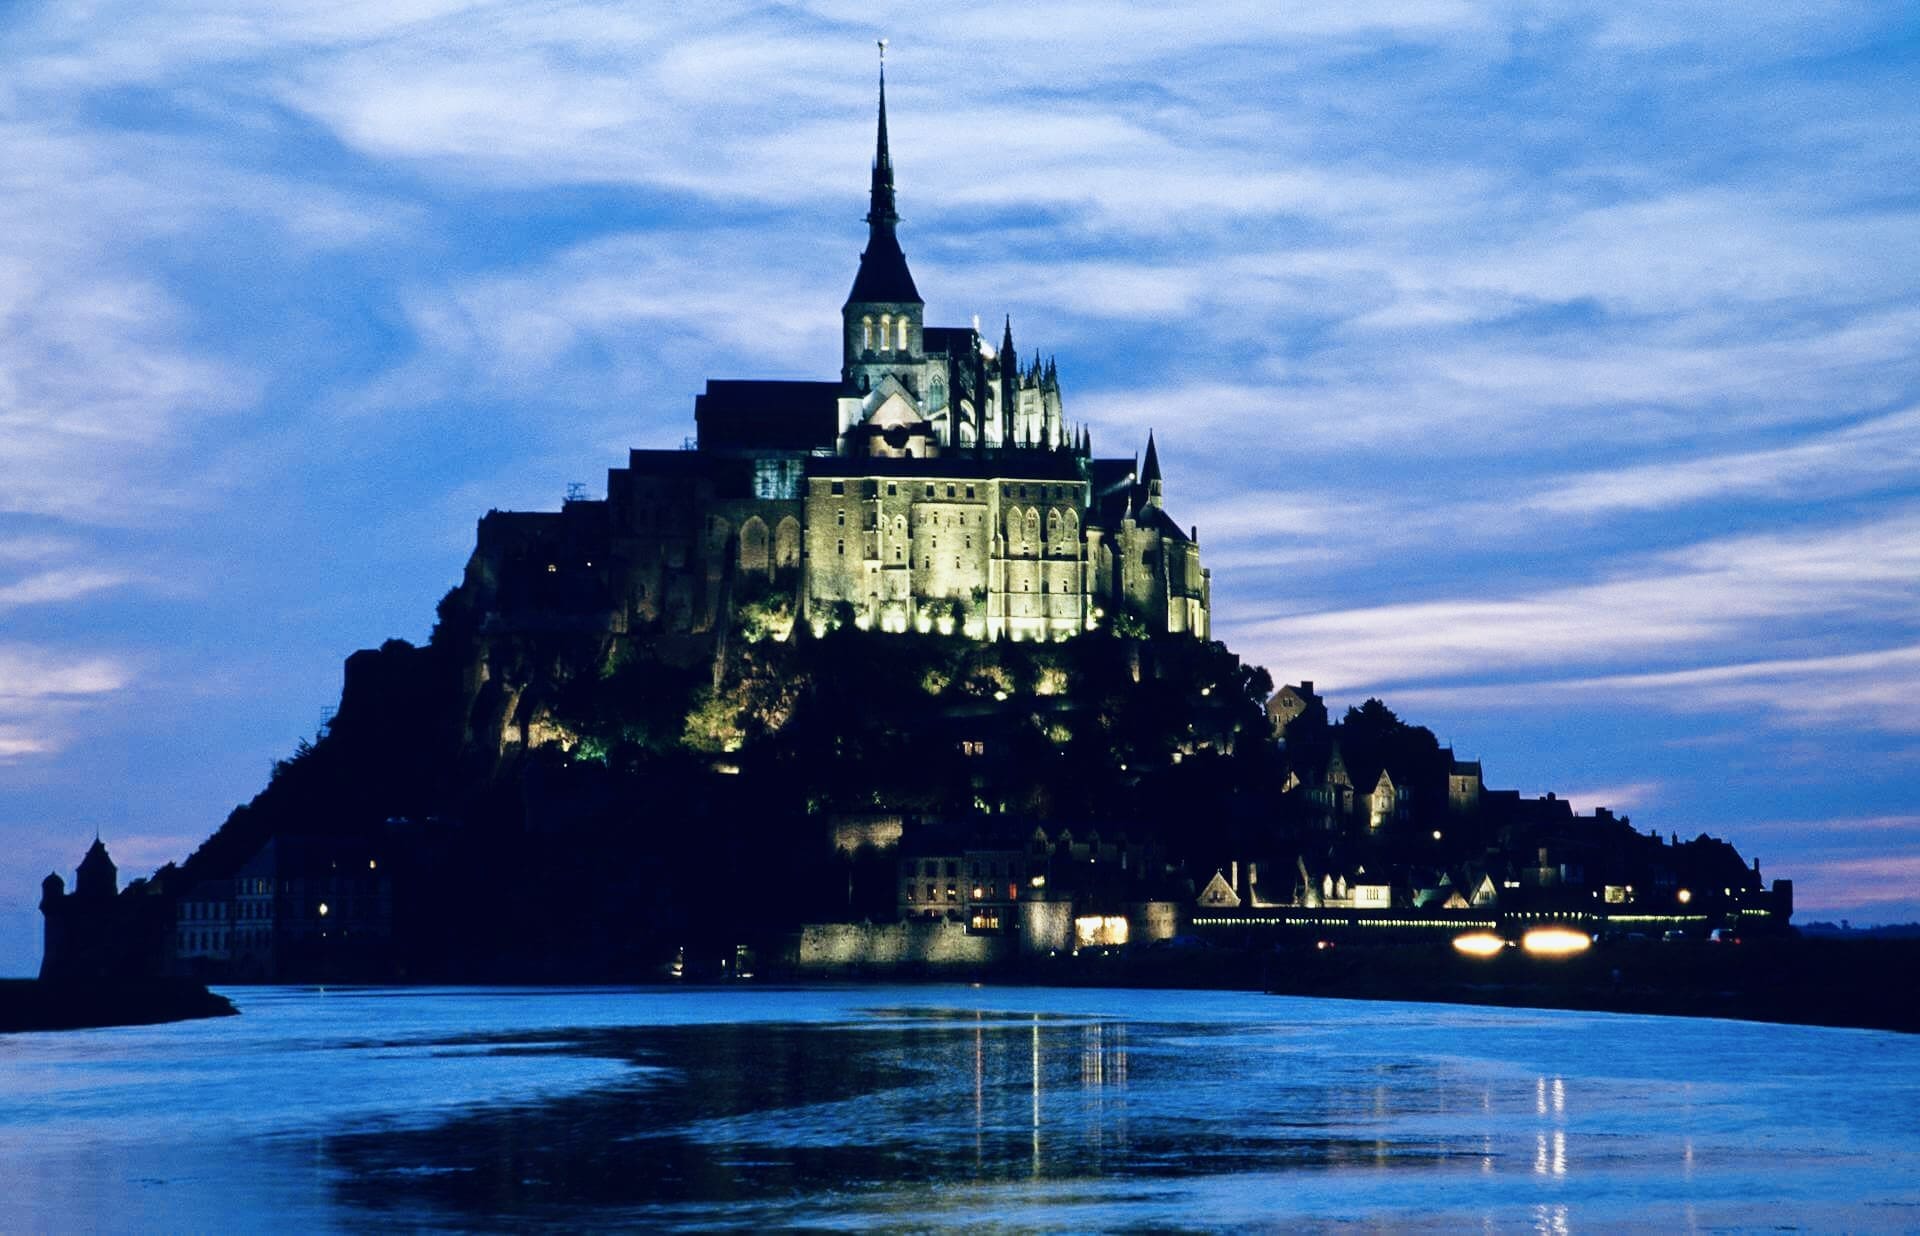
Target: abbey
935, 484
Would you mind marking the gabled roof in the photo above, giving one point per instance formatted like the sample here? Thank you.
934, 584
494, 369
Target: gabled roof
1218, 893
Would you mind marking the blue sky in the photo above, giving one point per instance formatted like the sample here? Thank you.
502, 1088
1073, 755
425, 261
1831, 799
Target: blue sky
1552, 371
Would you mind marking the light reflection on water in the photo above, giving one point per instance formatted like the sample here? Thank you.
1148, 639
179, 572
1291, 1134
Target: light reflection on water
953, 1106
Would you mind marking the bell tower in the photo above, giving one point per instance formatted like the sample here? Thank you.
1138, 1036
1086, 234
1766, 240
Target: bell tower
883, 315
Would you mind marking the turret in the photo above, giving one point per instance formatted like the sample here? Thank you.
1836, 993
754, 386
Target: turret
97, 876
1150, 474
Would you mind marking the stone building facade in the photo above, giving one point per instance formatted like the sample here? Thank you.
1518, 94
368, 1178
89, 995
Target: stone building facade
935, 485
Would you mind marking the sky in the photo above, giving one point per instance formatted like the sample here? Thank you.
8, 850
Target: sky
1549, 371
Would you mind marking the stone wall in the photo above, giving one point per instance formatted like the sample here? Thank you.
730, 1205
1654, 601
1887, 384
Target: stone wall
838, 946
1046, 927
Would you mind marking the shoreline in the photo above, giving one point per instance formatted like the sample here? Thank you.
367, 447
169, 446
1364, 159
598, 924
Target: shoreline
34, 1005
1809, 982
1848, 984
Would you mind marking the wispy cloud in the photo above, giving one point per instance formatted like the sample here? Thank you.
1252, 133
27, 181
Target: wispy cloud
1858, 884
64, 584
1682, 604
1877, 452
42, 689
1622, 797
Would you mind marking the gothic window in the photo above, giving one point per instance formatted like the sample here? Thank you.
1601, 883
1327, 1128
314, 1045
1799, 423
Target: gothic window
1013, 523
753, 545
1054, 524
886, 330
866, 333
786, 543
903, 334
1033, 524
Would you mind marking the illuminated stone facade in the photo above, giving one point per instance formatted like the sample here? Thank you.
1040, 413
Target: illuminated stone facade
935, 485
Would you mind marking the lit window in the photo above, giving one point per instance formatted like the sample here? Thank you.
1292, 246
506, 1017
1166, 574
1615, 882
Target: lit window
886, 330
866, 333
903, 334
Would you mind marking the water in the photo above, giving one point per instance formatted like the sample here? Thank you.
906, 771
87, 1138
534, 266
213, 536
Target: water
900, 1107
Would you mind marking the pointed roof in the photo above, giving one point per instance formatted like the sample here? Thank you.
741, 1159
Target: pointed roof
883, 276
1150, 471
1219, 893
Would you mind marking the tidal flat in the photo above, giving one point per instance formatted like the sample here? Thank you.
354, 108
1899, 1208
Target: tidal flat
938, 1106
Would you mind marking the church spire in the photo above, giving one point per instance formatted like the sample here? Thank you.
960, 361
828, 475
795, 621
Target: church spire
883, 210
883, 278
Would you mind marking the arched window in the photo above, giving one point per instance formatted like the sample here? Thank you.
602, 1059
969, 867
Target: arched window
1033, 524
1054, 525
754, 545
886, 330
903, 333
866, 333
